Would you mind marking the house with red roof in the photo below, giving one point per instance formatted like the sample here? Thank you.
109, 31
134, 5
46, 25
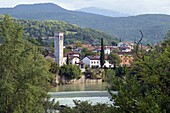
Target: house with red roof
126, 58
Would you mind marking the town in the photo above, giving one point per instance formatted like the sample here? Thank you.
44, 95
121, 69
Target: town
123, 50
114, 56
57, 60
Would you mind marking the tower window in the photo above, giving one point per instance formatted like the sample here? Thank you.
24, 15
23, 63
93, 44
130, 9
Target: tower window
61, 37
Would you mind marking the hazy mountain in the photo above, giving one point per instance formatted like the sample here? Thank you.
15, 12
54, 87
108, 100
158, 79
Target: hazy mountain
154, 26
103, 12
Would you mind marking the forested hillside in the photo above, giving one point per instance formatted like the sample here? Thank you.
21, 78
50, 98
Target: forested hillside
73, 33
154, 26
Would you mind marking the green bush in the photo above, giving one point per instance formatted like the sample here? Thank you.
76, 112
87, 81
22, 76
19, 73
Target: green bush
70, 72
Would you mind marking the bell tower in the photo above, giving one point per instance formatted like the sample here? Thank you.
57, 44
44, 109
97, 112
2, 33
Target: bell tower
58, 48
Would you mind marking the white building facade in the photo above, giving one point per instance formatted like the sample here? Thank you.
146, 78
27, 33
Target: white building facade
95, 62
58, 48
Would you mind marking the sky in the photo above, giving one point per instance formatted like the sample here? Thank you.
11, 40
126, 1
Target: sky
125, 6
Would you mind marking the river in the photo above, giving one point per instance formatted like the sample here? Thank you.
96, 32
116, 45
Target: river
92, 92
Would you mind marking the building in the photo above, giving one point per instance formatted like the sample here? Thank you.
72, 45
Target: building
125, 46
125, 49
94, 62
126, 58
58, 48
107, 49
73, 58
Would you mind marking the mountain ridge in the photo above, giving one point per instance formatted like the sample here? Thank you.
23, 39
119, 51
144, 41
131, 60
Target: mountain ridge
104, 12
154, 26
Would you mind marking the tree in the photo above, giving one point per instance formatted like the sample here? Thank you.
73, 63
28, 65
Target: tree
114, 43
86, 52
86, 107
34, 41
45, 52
67, 50
54, 68
147, 86
77, 44
24, 73
70, 72
68, 60
102, 54
114, 59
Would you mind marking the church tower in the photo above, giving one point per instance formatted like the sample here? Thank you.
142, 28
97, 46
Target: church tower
58, 48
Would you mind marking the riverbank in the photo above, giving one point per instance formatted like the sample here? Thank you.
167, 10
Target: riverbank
93, 86
83, 79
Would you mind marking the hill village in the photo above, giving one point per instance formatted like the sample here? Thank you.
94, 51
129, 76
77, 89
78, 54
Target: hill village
122, 49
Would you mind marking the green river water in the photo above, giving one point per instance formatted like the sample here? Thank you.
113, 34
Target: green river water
100, 86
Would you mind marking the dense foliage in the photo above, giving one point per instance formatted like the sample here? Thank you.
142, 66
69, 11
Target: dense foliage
54, 68
146, 87
127, 28
39, 29
86, 107
70, 72
24, 73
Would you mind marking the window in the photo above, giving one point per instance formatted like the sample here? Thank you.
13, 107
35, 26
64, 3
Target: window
61, 37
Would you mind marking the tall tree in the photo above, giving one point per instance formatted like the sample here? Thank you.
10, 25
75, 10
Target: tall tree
102, 54
68, 60
24, 73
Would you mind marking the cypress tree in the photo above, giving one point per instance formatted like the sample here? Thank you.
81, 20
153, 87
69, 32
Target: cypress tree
102, 54
68, 60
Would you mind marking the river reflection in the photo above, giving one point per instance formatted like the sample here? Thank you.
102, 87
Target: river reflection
98, 86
